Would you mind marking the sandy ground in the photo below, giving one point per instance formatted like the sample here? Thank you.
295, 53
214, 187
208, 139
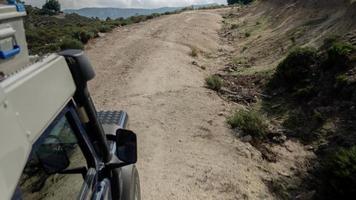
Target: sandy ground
186, 150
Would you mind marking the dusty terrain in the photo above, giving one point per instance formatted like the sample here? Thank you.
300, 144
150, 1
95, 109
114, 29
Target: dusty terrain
186, 149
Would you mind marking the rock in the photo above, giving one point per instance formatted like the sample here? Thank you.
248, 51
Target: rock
221, 114
246, 138
306, 195
237, 132
100, 34
195, 63
309, 148
283, 138
203, 67
284, 174
279, 139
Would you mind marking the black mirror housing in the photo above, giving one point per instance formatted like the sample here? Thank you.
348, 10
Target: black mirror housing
126, 146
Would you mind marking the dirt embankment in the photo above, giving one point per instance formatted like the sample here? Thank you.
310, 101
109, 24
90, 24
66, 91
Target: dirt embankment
261, 36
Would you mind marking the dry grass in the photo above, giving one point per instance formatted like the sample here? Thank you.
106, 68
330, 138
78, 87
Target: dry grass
194, 51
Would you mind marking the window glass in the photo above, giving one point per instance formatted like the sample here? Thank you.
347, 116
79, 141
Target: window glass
52, 155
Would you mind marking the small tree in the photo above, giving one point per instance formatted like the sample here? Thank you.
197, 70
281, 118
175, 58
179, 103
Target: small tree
230, 2
51, 7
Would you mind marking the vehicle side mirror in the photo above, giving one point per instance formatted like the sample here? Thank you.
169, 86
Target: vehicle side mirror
126, 146
52, 155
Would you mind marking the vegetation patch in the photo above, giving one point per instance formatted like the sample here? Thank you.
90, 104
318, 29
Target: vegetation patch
338, 174
244, 2
194, 52
250, 122
296, 70
214, 82
48, 30
316, 88
69, 43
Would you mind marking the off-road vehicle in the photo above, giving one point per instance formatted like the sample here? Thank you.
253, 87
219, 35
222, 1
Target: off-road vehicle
53, 142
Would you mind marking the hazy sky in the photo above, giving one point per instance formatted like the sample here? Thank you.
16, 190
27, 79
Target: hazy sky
125, 3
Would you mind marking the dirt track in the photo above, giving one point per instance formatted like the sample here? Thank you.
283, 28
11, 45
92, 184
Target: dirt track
186, 151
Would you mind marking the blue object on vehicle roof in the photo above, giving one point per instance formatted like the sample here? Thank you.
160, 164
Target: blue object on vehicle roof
19, 6
10, 53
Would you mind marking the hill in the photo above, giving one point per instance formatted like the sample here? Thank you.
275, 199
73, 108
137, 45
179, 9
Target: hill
114, 13
51, 33
293, 67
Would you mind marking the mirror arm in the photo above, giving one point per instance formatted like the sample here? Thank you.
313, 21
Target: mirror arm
78, 170
115, 163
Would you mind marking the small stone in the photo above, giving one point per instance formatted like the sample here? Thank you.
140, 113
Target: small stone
309, 148
279, 139
246, 138
101, 34
283, 174
194, 63
221, 114
283, 138
306, 195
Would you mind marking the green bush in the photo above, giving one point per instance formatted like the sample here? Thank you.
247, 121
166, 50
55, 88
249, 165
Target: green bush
250, 122
339, 174
104, 28
85, 36
194, 51
305, 92
247, 34
214, 82
51, 7
234, 26
296, 68
338, 55
230, 2
341, 80
69, 43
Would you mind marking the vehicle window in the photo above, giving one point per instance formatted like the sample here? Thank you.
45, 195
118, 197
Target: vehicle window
52, 156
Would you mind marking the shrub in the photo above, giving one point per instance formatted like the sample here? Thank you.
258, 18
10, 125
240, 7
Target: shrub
85, 36
338, 55
250, 122
230, 2
296, 68
234, 26
329, 41
341, 80
51, 7
69, 43
104, 28
339, 173
305, 93
194, 51
247, 34
214, 82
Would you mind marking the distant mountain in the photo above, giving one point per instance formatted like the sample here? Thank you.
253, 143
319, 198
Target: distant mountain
115, 13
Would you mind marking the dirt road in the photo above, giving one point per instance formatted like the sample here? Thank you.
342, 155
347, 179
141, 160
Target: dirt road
186, 151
